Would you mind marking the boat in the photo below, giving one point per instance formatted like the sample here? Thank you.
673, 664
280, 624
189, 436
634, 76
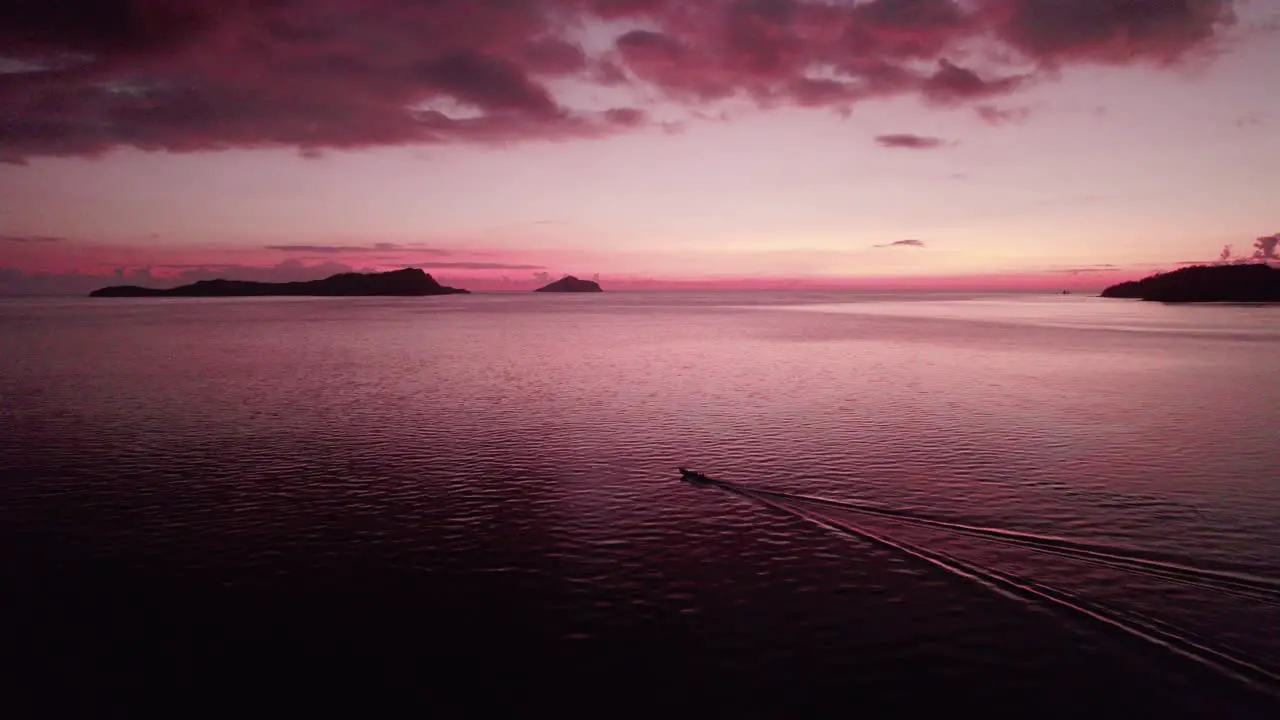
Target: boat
694, 476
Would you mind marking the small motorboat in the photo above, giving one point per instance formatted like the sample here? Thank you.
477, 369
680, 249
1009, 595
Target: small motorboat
695, 477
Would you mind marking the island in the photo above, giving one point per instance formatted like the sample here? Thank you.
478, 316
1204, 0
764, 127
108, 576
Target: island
407, 282
571, 284
1242, 283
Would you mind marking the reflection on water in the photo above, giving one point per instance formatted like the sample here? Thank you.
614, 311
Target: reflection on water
471, 502
1073, 311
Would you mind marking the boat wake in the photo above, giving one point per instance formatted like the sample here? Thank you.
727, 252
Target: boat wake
1229, 662
1241, 585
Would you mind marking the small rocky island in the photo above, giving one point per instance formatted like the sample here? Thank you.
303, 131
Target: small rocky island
1245, 283
407, 282
571, 284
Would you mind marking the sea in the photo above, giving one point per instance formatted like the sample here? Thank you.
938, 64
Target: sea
1017, 505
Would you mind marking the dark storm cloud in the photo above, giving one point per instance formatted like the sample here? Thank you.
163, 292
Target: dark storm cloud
910, 142
489, 82
110, 28
554, 56
80, 77
953, 84
1109, 31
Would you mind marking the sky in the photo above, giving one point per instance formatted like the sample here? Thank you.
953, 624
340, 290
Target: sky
975, 144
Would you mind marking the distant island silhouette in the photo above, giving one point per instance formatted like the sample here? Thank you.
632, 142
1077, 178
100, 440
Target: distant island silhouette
1252, 282
407, 282
571, 284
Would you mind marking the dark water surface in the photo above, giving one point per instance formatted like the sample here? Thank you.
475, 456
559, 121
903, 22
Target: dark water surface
1018, 505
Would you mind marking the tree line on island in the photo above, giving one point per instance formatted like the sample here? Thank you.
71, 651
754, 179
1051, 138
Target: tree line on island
410, 282
1248, 279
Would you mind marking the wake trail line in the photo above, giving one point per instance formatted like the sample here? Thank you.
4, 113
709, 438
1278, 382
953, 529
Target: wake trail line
1244, 585
1132, 566
1166, 636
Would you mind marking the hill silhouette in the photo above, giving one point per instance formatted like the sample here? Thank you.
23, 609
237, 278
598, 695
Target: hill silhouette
569, 283
1252, 282
407, 282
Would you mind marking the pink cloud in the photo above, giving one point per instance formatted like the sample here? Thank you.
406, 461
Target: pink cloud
476, 265
992, 115
1265, 248
625, 116
910, 142
335, 249
86, 76
954, 84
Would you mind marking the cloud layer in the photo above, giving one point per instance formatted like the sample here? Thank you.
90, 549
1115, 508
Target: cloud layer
1266, 249
31, 239
335, 249
80, 77
909, 142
